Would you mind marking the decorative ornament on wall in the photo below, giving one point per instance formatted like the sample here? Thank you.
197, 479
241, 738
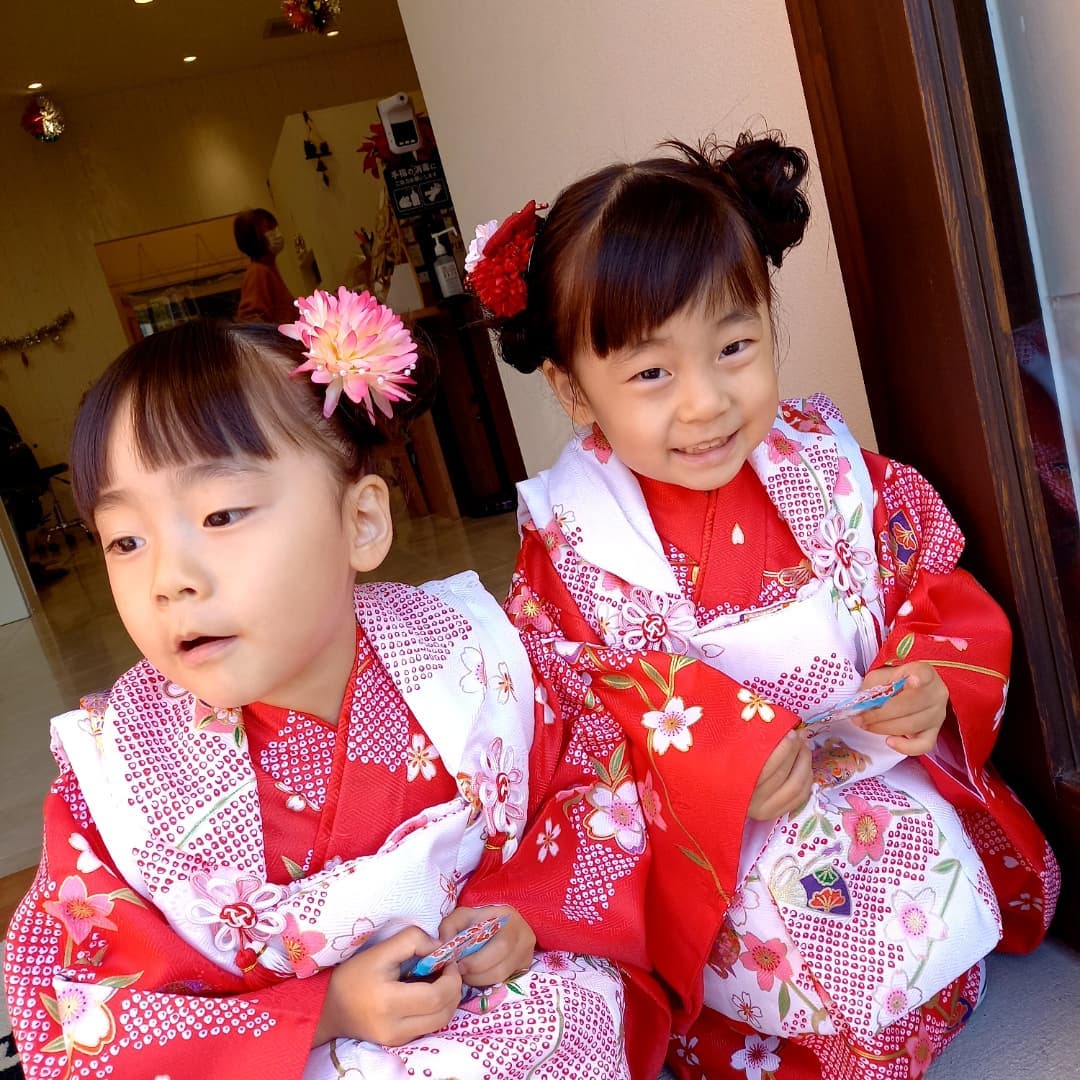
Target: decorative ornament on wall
50, 330
315, 149
43, 119
311, 16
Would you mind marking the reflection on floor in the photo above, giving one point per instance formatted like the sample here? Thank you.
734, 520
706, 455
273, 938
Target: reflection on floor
78, 645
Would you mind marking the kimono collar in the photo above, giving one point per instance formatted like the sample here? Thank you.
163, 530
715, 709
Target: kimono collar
803, 463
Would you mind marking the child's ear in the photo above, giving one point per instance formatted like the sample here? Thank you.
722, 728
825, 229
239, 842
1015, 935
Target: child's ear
367, 517
570, 396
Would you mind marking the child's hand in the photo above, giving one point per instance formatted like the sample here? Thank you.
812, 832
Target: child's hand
367, 999
507, 953
911, 720
785, 780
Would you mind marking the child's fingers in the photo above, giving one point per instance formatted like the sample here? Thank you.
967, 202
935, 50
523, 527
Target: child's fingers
424, 1007
460, 919
913, 745
778, 764
405, 945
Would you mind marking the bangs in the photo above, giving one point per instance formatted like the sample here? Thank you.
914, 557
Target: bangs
654, 246
202, 391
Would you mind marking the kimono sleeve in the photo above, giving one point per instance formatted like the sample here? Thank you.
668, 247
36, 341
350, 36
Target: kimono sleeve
939, 614
99, 984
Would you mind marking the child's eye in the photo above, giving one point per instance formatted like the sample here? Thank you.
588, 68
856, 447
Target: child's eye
651, 374
124, 545
220, 518
735, 347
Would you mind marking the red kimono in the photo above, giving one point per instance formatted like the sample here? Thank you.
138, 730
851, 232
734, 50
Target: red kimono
710, 624
204, 869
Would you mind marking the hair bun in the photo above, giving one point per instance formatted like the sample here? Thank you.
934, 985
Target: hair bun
517, 342
769, 176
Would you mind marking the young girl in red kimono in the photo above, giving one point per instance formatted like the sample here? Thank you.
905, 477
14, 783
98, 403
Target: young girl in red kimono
278, 809
722, 572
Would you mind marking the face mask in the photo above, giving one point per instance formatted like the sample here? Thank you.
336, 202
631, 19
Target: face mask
274, 241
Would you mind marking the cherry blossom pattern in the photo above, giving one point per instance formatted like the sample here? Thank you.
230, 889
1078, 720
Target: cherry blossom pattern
616, 815
781, 447
670, 726
755, 705
836, 555
596, 443
657, 621
684, 1048
745, 1008
498, 787
895, 998
504, 684
743, 901
651, 804
87, 862
451, 885
222, 721
767, 958
866, 826
238, 906
301, 946
420, 757
1026, 902
543, 707
527, 610
78, 911
842, 485
757, 1056
81, 1011
475, 679
920, 1051
914, 921
346, 944
547, 841
606, 621
554, 532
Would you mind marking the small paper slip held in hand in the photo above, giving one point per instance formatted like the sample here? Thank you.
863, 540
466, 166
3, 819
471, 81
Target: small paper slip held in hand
871, 698
470, 940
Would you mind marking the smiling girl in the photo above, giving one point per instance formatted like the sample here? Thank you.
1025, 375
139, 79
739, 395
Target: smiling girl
721, 571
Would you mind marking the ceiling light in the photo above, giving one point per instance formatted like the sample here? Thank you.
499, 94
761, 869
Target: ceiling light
35, 86
332, 33
144, 1
190, 59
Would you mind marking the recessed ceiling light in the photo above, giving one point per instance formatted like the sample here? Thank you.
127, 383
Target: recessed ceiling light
35, 86
332, 33
190, 59
144, 1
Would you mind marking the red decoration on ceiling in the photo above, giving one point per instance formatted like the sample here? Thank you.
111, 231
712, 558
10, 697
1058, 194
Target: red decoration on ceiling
311, 16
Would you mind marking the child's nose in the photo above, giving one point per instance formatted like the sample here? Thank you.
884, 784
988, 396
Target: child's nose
177, 573
704, 395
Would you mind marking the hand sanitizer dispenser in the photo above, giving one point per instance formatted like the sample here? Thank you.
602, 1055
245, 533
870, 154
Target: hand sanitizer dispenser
445, 267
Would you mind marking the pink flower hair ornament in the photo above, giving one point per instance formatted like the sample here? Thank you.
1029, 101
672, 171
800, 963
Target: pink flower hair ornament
356, 346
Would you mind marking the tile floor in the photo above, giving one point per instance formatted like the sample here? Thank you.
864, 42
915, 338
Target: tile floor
77, 645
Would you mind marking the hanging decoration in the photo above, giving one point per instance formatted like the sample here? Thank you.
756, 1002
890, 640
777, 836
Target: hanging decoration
315, 149
43, 119
377, 152
311, 16
36, 337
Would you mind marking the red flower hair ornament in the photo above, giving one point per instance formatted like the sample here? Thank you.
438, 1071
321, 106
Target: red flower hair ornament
498, 259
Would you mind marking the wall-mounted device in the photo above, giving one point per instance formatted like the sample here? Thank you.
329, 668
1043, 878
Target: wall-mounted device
399, 123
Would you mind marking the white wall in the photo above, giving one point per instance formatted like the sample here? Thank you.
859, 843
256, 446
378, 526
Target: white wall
526, 97
327, 217
131, 162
